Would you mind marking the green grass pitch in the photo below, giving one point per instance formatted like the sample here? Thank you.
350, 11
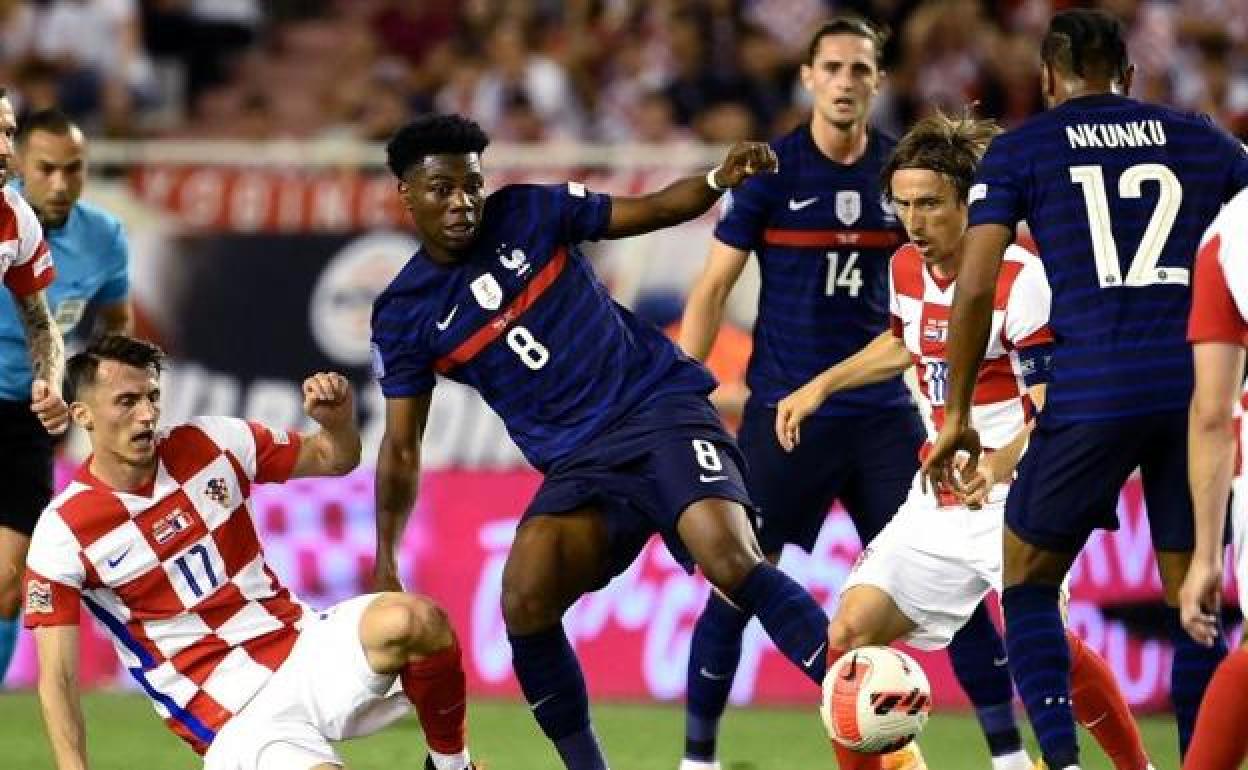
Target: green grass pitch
124, 734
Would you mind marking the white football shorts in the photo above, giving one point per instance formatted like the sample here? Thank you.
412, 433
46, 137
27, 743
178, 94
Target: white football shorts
325, 691
936, 562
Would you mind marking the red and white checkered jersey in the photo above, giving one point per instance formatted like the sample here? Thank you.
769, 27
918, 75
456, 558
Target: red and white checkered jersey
1020, 317
25, 261
175, 571
1220, 290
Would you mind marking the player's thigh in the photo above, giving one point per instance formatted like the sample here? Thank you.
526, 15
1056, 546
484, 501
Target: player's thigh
867, 615
1163, 471
791, 491
1069, 481
14, 546
885, 458
554, 559
719, 537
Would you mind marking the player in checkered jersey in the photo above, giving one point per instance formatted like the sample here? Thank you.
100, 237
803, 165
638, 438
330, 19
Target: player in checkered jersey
1218, 331
924, 575
155, 536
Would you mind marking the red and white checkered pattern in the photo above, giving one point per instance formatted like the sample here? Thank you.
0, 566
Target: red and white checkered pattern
176, 572
25, 261
1020, 317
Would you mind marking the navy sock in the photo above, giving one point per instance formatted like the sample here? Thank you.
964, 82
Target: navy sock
1190, 672
714, 653
979, 662
554, 686
8, 644
793, 620
1040, 663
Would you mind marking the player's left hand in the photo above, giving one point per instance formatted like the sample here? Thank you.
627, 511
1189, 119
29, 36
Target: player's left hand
977, 484
938, 467
48, 405
744, 160
1200, 599
327, 399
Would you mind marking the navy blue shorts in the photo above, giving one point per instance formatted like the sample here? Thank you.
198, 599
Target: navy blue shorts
644, 471
1072, 473
865, 461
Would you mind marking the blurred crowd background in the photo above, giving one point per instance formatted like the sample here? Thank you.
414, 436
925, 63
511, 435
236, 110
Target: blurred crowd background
562, 70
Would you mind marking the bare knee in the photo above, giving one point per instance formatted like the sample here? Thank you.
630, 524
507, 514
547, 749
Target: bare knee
410, 622
729, 567
1027, 563
846, 632
10, 598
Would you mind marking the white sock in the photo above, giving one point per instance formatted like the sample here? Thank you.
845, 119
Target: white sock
458, 761
695, 764
1017, 760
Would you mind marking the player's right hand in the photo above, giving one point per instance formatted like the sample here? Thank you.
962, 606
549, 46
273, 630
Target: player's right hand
939, 471
1200, 600
48, 405
743, 161
790, 412
327, 399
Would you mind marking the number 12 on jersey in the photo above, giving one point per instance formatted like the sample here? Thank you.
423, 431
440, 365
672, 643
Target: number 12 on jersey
1144, 270
843, 275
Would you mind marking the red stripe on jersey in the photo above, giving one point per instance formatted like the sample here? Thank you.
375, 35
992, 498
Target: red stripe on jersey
907, 270
29, 277
997, 382
92, 514
150, 596
1005, 283
820, 239
237, 541
494, 328
1215, 317
271, 650
188, 450
198, 661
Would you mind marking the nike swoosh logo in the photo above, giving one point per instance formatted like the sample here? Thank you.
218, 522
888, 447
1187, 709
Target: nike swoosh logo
811, 660
445, 322
115, 562
446, 711
708, 479
713, 677
796, 205
536, 706
1097, 721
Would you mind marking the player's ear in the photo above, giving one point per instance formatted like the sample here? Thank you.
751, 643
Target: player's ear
80, 413
1127, 78
806, 73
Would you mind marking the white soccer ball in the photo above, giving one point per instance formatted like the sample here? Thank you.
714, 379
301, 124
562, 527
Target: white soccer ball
875, 700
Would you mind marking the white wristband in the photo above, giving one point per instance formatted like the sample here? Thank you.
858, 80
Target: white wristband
710, 179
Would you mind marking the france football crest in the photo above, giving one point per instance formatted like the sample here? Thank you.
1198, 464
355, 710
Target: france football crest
848, 206
487, 291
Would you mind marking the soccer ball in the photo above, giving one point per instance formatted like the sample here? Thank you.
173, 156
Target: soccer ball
875, 700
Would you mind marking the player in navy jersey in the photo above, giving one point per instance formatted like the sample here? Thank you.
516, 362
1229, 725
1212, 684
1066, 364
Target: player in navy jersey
617, 419
1117, 193
823, 232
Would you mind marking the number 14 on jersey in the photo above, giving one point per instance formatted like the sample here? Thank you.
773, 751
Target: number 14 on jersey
843, 274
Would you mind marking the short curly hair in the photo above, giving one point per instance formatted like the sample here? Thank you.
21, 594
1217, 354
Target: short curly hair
946, 145
433, 135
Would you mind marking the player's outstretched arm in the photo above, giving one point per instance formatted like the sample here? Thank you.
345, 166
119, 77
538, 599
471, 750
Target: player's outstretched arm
704, 311
689, 197
970, 320
1211, 459
1002, 463
57, 648
47, 358
885, 357
398, 471
334, 450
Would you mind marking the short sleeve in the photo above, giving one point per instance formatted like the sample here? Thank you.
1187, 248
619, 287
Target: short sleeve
54, 577
21, 237
1215, 317
1236, 154
276, 452
583, 215
401, 371
745, 214
996, 197
116, 285
1026, 320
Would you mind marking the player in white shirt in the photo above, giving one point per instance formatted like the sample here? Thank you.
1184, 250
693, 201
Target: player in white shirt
155, 536
924, 574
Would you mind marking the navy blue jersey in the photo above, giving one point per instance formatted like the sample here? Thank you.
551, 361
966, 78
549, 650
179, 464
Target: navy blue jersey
823, 234
1117, 194
524, 321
